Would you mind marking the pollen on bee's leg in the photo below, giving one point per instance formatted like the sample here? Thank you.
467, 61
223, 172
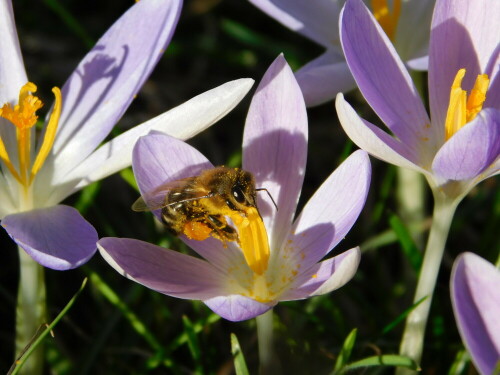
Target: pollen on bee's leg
196, 230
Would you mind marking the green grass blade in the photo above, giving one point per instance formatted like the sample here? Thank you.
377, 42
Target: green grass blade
134, 321
240, 365
193, 343
383, 360
402, 317
18, 364
462, 359
409, 248
345, 352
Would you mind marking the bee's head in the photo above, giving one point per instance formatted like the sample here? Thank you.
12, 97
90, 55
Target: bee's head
240, 191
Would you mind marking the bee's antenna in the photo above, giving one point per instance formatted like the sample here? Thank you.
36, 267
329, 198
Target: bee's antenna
270, 196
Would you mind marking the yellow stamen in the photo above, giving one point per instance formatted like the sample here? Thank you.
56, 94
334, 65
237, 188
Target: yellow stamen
387, 19
50, 134
23, 117
460, 110
253, 239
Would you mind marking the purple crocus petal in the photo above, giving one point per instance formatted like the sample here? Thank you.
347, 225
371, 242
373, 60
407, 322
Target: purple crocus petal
158, 158
382, 77
166, 271
105, 82
476, 303
472, 149
222, 257
457, 41
331, 211
321, 79
12, 73
275, 146
325, 276
237, 308
493, 94
373, 139
183, 122
57, 237
316, 21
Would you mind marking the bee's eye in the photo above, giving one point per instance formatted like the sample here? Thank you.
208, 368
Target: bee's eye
238, 194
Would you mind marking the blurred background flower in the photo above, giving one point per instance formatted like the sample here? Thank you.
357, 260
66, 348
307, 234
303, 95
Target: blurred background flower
405, 22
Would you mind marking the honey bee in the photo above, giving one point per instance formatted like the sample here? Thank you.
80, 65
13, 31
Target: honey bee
198, 206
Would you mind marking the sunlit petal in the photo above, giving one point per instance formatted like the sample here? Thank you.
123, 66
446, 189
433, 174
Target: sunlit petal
166, 271
331, 211
182, 122
107, 79
275, 146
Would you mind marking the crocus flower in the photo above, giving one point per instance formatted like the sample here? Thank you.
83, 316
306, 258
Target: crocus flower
406, 23
459, 144
39, 172
286, 263
475, 295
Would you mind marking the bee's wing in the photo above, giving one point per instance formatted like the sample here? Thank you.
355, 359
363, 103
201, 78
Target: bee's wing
155, 199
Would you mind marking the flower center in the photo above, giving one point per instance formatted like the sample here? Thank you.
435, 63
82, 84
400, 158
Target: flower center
387, 19
253, 239
462, 110
23, 117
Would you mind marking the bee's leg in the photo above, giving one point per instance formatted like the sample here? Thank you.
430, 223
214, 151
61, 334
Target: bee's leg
219, 225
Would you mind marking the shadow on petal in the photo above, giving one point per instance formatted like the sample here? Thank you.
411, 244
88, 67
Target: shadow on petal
277, 159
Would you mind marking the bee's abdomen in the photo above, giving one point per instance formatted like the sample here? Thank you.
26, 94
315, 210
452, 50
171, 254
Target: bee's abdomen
174, 217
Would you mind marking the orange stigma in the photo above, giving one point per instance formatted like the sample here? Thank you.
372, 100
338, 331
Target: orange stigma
23, 117
387, 19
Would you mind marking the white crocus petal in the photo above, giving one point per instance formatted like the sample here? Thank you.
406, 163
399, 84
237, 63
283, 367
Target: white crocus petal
12, 77
183, 122
6, 204
12, 73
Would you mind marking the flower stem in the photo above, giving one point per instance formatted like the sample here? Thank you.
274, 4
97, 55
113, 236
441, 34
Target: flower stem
31, 310
267, 358
411, 190
413, 336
